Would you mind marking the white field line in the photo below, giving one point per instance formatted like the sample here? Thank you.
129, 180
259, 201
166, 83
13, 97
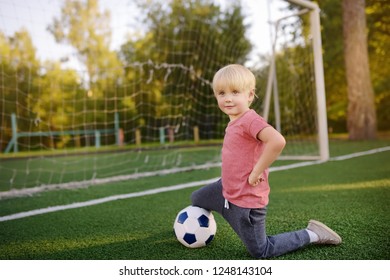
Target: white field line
100, 181
103, 200
171, 188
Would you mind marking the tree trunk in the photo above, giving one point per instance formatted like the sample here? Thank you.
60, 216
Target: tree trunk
361, 119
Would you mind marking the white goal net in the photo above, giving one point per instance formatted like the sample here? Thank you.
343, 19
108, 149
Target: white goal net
94, 92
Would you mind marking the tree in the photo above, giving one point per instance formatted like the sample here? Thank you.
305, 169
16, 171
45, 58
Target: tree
361, 121
56, 102
87, 29
83, 26
20, 68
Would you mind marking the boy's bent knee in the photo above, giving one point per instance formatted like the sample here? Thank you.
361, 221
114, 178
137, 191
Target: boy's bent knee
208, 197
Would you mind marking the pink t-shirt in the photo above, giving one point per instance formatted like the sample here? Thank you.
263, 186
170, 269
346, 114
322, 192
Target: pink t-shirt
240, 151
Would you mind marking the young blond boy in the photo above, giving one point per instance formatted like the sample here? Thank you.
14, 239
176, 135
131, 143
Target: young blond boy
250, 146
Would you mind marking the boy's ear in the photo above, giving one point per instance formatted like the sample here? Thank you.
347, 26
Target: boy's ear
251, 96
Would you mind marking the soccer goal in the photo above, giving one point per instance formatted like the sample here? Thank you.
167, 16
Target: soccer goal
99, 92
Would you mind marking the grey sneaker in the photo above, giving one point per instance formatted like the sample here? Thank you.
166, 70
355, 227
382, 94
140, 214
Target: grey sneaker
325, 234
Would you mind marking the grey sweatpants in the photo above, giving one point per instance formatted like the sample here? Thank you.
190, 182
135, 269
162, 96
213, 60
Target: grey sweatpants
249, 224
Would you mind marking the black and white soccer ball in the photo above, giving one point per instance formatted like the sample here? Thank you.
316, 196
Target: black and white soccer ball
195, 227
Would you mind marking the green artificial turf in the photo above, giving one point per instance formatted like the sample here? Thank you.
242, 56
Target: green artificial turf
351, 196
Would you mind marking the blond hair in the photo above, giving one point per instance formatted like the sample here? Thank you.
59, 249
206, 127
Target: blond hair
234, 77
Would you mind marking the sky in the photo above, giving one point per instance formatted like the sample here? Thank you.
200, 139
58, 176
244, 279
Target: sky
36, 15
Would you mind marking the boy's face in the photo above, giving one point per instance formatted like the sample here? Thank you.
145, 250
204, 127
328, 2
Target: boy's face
234, 102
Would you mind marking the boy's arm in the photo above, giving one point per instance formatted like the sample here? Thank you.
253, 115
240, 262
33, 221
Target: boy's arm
274, 143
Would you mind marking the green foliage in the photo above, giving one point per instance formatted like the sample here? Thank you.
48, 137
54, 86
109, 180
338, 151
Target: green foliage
87, 29
334, 66
18, 60
378, 21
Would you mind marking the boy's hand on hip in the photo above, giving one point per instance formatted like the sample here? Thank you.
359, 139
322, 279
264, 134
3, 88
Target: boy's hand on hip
254, 179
